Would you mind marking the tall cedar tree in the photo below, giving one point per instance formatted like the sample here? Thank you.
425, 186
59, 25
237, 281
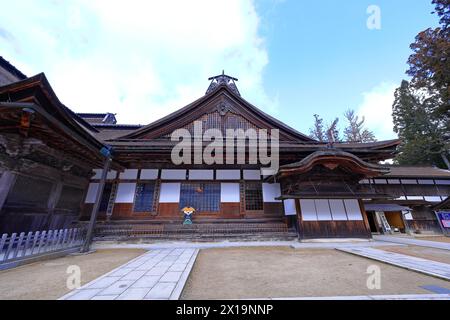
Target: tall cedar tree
429, 67
421, 137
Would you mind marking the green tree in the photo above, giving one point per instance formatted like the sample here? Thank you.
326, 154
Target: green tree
428, 95
421, 134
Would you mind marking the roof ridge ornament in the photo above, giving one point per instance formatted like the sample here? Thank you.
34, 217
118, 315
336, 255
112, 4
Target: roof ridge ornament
330, 134
223, 79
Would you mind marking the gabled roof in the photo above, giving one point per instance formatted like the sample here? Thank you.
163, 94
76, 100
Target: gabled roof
98, 118
37, 89
181, 116
56, 124
418, 171
11, 69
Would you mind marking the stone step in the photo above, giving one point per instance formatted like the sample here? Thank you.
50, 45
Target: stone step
195, 231
281, 236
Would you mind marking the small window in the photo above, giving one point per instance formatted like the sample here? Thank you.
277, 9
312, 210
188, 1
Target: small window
253, 196
203, 197
143, 201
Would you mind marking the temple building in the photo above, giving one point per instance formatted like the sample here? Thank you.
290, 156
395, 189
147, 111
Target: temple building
50, 166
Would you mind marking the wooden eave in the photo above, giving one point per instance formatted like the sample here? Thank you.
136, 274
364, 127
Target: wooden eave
53, 122
333, 195
37, 89
332, 159
53, 133
445, 204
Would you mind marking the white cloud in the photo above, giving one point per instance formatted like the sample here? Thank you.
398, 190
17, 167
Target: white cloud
140, 59
377, 110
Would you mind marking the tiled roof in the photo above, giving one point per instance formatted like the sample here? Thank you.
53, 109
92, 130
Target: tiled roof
418, 171
13, 70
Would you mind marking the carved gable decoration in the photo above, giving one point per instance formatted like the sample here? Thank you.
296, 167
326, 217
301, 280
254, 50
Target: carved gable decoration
221, 120
221, 109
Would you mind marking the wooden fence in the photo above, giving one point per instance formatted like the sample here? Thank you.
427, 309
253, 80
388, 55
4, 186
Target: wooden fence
17, 247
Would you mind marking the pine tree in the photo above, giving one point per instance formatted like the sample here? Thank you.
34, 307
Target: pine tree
355, 131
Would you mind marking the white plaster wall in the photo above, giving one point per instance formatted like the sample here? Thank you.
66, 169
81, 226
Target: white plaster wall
229, 192
252, 174
323, 210
308, 210
271, 191
338, 210
201, 174
170, 192
353, 209
125, 192
98, 174
425, 181
149, 174
289, 207
173, 174
409, 181
433, 198
129, 174
228, 174
112, 174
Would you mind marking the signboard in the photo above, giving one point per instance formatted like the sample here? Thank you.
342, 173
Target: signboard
444, 217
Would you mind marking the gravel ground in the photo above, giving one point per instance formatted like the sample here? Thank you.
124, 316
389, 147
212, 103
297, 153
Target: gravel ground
239, 273
47, 279
438, 255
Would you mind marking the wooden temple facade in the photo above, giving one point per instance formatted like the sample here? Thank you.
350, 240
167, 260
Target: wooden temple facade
50, 164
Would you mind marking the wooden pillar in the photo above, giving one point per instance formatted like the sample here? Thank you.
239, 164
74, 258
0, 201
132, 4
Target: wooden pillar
98, 197
7, 181
299, 219
365, 218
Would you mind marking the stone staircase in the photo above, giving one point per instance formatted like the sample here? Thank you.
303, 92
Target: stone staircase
238, 230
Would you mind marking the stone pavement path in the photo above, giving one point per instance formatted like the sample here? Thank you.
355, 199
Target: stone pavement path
433, 268
411, 241
157, 274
